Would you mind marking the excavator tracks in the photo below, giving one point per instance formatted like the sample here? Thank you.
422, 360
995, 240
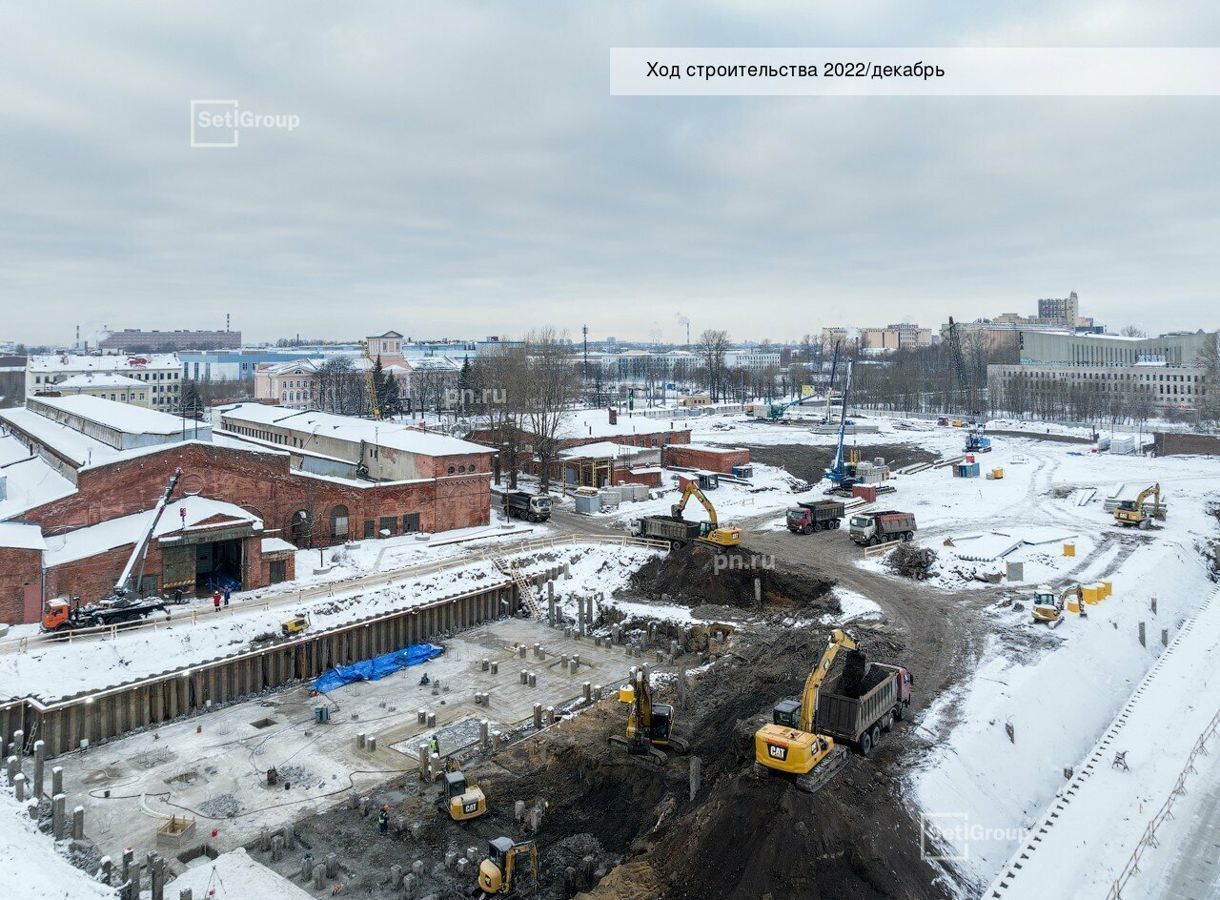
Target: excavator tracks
823, 772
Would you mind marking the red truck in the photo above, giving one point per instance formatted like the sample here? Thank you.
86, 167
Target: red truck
817, 515
883, 526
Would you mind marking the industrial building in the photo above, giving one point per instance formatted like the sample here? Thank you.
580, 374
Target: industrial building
137, 340
160, 373
79, 477
902, 336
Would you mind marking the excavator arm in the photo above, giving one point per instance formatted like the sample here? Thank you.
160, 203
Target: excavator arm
839, 640
692, 490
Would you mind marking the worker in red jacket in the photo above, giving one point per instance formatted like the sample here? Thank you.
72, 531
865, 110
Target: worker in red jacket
216, 601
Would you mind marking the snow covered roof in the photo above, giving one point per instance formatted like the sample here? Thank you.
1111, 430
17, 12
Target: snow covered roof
114, 414
708, 448
21, 536
28, 480
603, 450
113, 363
100, 380
277, 545
77, 448
349, 428
201, 512
596, 423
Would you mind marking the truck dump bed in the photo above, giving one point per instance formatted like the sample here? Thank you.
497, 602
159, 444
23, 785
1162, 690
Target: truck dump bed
669, 528
845, 717
823, 509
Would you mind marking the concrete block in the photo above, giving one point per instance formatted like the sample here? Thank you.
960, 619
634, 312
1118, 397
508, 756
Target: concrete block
78, 823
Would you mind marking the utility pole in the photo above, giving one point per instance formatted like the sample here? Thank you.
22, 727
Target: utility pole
584, 330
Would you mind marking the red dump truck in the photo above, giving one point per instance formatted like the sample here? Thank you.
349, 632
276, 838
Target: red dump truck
884, 697
817, 515
879, 527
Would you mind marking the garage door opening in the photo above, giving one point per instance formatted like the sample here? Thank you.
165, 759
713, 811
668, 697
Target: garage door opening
218, 566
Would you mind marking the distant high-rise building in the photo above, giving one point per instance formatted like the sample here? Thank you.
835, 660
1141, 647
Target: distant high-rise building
1060, 310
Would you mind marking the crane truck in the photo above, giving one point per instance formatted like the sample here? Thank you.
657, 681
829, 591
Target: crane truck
123, 606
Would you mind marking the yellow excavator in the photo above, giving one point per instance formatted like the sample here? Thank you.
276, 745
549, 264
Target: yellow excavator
788, 744
1048, 608
1130, 513
500, 873
710, 531
462, 799
649, 725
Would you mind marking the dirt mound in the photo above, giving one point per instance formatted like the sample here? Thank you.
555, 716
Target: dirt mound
810, 463
696, 575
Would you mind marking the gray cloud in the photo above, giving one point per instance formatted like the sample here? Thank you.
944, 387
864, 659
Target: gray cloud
462, 169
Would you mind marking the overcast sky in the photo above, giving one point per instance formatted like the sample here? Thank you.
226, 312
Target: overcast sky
461, 170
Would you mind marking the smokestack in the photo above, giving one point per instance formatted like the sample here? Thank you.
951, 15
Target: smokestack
613, 416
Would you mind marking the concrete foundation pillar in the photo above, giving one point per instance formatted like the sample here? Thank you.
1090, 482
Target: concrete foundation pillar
519, 811
537, 715
485, 734
57, 780
1164, 637
19, 787
57, 816
290, 836
495, 668
549, 717
521, 651
332, 865
485, 665
597, 692
319, 877
525, 676
421, 716
11, 768
185, 894
423, 761
395, 875
532, 679
370, 744
408, 886
1143, 642
360, 741
431, 720
574, 664
156, 866
696, 775
107, 869
277, 848
129, 857
588, 691
40, 759
78, 823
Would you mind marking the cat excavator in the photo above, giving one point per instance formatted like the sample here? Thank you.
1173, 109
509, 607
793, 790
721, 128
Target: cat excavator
1130, 513
462, 798
649, 725
711, 532
788, 744
500, 873
1048, 608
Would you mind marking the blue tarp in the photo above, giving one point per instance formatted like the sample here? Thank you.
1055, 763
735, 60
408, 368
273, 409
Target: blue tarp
376, 668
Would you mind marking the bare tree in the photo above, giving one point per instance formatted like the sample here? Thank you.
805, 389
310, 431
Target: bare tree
500, 399
1133, 331
712, 346
552, 386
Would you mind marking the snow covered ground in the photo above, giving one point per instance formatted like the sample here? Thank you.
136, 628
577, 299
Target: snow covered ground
1058, 690
32, 865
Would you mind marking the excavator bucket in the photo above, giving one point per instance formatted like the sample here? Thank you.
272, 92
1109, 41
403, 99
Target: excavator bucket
823, 772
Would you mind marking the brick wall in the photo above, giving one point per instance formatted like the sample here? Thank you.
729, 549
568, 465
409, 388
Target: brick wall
713, 460
1170, 443
18, 568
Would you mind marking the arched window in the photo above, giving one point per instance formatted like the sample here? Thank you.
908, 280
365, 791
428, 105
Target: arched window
451, 470
338, 523
302, 529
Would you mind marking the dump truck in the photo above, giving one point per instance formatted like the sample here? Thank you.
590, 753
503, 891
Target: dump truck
817, 515
523, 505
884, 698
678, 532
880, 527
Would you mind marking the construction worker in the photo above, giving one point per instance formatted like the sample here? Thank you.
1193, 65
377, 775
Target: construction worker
434, 745
383, 819
177, 595
425, 680
227, 594
216, 601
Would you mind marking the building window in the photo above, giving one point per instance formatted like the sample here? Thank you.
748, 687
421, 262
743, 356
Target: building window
279, 570
388, 526
410, 523
451, 470
338, 523
369, 528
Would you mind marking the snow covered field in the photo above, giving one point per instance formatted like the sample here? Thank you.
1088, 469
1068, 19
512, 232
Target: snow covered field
33, 867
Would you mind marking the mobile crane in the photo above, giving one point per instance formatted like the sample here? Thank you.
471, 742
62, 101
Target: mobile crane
1048, 608
649, 725
499, 873
122, 606
1130, 513
842, 473
370, 382
788, 743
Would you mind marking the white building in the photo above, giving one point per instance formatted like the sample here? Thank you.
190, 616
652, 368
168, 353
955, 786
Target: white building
161, 373
120, 388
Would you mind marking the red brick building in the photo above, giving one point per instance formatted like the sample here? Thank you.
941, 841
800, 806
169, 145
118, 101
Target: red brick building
264, 497
701, 456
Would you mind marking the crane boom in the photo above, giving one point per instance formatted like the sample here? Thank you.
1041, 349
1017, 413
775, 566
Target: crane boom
836, 473
830, 388
121, 587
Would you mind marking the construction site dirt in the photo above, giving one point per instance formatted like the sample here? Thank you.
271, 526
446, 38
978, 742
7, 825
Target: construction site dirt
615, 826
809, 463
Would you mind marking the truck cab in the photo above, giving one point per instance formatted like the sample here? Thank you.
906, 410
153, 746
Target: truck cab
863, 529
540, 508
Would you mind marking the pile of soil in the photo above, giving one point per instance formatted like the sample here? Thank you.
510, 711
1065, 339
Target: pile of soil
810, 463
696, 575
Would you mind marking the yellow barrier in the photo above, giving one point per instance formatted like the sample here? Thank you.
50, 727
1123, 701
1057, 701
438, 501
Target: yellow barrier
1107, 588
1092, 593
1069, 549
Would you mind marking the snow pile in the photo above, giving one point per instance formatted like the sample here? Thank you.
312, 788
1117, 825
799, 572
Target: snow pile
31, 865
234, 875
